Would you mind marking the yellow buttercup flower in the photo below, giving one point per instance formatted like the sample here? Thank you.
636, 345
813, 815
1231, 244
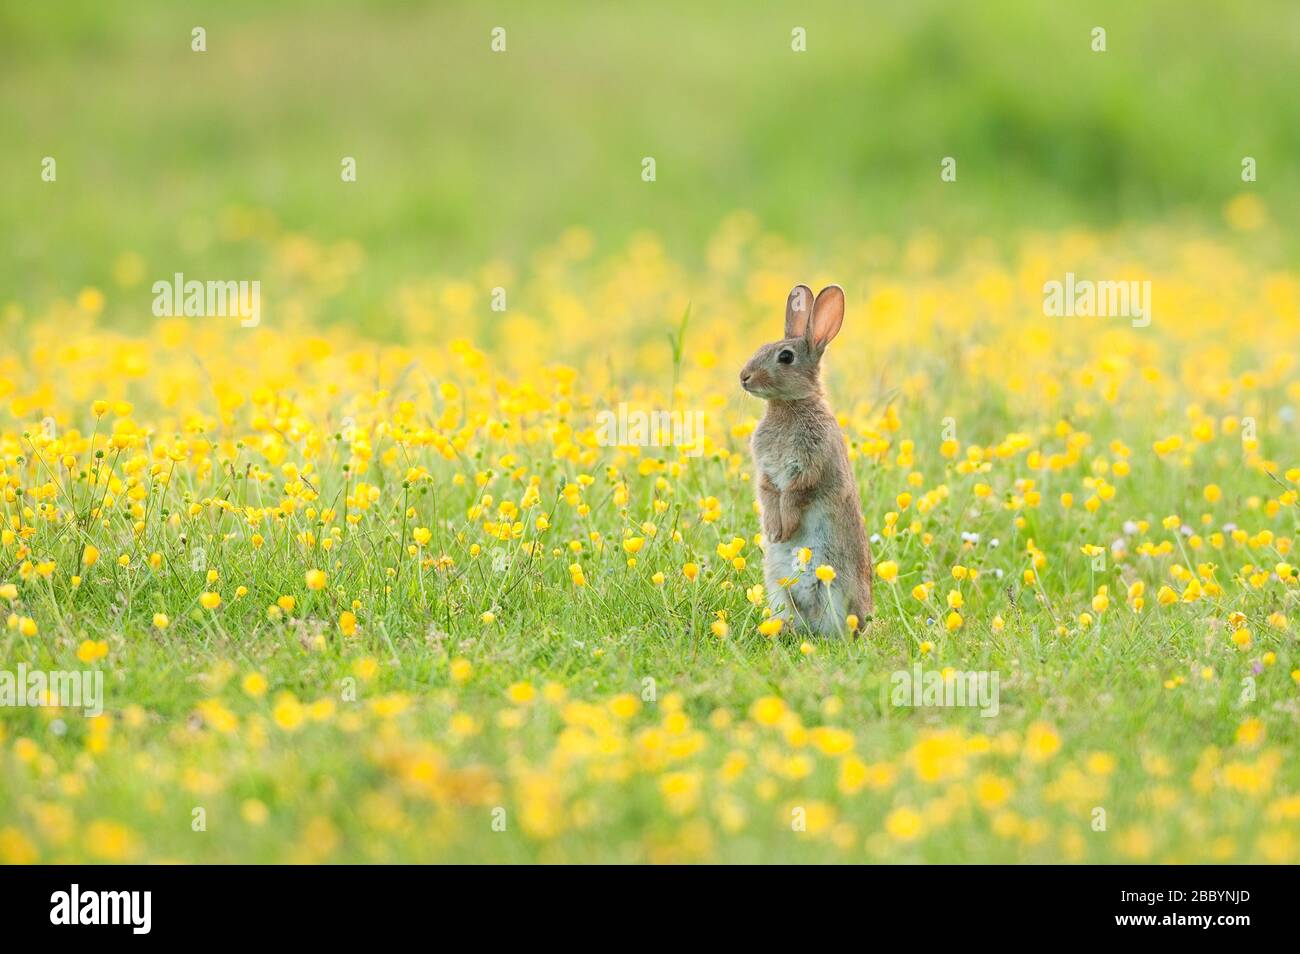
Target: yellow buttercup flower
92, 650
904, 824
1041, 742
768, 710
461, 670
521, 693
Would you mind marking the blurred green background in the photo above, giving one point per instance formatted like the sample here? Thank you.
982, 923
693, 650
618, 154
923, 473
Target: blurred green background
465, 155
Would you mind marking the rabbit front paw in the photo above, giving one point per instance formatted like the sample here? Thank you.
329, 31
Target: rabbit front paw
772, 529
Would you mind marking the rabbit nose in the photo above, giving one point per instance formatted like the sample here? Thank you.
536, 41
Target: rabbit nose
745, 376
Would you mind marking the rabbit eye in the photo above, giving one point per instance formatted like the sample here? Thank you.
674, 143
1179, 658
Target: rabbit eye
786, 356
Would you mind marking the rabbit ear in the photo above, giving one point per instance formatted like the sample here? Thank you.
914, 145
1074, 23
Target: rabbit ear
828, 315
798, 308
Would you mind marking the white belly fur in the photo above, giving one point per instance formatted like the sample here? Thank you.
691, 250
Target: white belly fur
816, 605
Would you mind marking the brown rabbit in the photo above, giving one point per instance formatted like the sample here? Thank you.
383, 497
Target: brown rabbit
806, 487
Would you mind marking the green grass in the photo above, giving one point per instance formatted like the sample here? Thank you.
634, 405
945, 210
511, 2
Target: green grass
465, 155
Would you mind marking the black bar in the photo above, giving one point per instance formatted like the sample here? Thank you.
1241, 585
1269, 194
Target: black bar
1220, 904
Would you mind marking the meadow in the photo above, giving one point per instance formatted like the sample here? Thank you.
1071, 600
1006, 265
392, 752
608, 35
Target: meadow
365, 583
375, 602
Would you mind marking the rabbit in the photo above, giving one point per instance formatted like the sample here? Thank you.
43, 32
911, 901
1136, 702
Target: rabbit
805, 486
